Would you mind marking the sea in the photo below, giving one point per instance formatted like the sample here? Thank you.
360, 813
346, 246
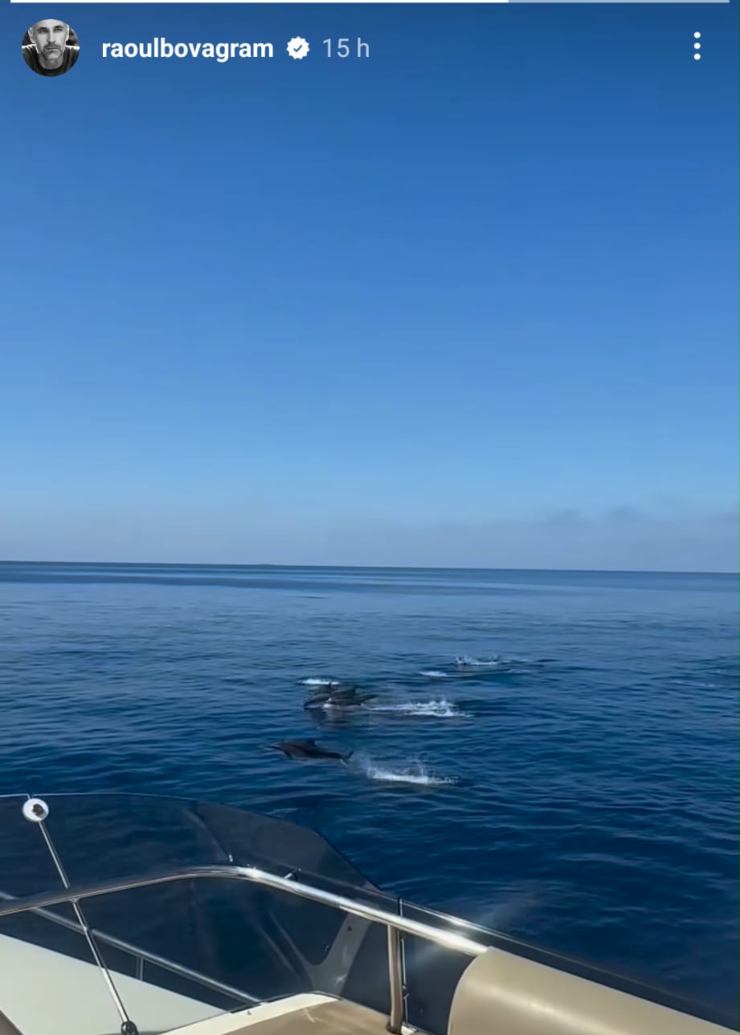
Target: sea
550, 754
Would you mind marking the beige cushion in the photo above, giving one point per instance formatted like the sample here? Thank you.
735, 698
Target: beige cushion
507, 995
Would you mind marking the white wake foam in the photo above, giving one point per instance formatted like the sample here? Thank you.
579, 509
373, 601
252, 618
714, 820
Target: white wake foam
315, 681
416, 774
436, 709
433, 673
467, 662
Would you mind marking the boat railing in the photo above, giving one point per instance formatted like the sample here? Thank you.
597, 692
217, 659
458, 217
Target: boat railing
396, 925
142, 956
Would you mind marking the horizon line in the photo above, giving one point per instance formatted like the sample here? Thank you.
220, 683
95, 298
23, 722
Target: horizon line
371, 567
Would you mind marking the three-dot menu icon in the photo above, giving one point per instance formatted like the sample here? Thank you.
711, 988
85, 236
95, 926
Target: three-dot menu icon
697, 46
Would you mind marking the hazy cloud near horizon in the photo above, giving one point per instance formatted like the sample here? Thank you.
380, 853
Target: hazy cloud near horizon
624, 537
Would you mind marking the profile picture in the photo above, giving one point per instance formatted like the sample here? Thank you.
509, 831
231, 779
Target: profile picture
50, 47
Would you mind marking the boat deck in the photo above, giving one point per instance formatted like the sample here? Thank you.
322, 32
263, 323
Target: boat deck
337, 1017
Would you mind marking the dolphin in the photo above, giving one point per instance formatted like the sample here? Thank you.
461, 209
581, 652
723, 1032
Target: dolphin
468, 665
337, 690
305, 749
349, 698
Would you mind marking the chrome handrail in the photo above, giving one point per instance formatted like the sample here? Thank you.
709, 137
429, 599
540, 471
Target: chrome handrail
393, 922
447, 939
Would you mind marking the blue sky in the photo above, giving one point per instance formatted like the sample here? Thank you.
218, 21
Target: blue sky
470, 302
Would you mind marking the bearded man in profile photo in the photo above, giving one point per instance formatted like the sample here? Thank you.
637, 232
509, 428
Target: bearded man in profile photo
50, 47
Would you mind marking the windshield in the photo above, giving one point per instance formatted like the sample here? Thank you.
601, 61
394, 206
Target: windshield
196, 927
103, 836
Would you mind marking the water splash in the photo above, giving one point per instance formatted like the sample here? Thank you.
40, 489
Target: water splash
318, 681
416, 774
434, 673
465, 661
436, 709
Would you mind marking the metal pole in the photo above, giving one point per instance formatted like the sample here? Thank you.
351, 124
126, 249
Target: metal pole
395, 977
127, 1025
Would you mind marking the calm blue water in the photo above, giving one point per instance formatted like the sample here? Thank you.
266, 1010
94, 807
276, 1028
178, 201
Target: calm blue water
581, 794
